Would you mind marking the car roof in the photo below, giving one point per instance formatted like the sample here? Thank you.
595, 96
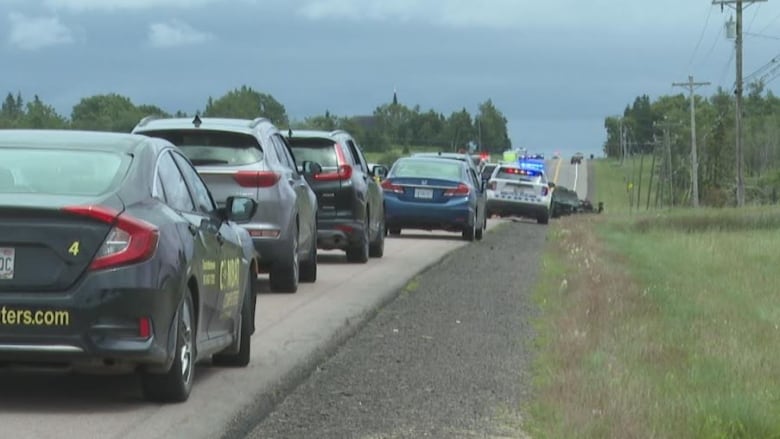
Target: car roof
237, 125
430, 159
73, 139
315, 133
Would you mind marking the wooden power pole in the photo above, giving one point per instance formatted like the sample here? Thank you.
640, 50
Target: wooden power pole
738, 5
692, 86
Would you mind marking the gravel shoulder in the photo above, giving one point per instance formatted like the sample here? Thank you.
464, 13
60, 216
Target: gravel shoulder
450, 357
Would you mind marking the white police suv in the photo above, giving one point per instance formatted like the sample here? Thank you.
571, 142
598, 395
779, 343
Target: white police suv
520, 189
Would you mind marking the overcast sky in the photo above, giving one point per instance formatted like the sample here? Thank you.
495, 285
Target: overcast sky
555, 68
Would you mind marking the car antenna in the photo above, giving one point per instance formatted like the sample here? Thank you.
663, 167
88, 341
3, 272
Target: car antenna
196, 121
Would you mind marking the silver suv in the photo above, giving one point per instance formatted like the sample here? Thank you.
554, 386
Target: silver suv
251, 158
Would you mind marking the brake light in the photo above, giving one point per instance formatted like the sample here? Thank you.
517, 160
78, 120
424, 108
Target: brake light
130, 240
343, 172
144, 327
460, 191
389, 186
256, 178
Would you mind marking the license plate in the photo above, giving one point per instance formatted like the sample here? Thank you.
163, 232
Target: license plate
7, 256
423, 193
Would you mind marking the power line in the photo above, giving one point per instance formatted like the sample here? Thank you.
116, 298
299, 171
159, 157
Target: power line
701, 38
770, 37
771, 22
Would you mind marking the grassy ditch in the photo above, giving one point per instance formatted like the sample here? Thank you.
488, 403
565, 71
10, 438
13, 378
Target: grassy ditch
660, 325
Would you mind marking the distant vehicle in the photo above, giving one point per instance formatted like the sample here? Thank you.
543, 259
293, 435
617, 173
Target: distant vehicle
114, 258
252, 158
351, 214
577, 158
520, 189
433, 194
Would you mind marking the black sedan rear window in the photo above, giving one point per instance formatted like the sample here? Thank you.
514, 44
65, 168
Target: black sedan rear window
60, 171
204, 147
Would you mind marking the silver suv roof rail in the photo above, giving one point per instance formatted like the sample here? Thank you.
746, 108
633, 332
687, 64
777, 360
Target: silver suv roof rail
148, 119
257, 121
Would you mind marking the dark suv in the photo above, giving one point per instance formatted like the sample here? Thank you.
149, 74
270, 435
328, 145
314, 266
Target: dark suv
350, 214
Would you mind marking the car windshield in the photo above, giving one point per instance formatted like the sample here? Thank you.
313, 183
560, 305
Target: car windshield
214, 147
60, 171
442, 169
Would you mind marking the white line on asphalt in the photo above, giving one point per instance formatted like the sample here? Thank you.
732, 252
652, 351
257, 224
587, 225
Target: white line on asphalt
576, 176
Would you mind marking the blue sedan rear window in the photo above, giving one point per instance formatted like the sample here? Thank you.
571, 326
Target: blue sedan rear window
443, 169
60, 171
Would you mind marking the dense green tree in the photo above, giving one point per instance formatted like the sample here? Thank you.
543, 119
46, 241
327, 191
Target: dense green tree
107, 112
460, 130
39, 115
247, 103
491, 126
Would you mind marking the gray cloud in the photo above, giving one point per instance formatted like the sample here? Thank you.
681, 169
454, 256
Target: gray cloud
175, 33
33, 33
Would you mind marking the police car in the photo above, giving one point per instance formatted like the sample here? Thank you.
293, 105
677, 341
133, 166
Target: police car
520, 189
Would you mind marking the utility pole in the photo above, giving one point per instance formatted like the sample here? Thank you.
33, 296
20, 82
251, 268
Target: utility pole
738, 5
652, 173
691, 85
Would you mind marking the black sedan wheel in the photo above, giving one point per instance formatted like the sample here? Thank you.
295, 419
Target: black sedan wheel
176, 384
241, 358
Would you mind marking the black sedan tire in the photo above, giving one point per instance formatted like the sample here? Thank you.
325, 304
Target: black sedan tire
176, 384
241, 358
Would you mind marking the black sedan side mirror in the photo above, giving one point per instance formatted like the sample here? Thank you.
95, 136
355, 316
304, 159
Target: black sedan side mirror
311, 168
551, 185
239, 209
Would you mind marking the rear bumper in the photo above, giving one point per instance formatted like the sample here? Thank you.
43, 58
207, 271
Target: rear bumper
496, 206
95, 326
453, 215
340, 234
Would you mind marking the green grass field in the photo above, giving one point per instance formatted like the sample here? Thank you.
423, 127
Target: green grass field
659, 324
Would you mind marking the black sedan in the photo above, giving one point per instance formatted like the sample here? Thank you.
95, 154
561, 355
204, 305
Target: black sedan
113, 257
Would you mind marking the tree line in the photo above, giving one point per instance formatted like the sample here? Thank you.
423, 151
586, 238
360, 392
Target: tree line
662, 128
390, 125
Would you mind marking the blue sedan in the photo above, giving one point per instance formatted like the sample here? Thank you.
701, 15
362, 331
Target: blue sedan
434, 194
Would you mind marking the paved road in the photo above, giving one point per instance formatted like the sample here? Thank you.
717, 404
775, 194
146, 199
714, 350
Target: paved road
294, 333
574, 177
448, 359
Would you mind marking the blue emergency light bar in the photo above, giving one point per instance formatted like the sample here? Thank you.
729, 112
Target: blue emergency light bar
531, 165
